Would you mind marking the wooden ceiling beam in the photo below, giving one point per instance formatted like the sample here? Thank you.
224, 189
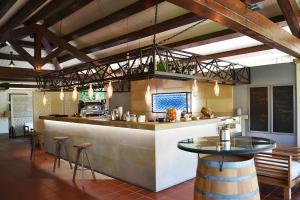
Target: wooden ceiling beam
290, 11
236, 16
19, 74
235, 52
4, 56
148, 31
21, 15
112, 18
5, 6
48, 10
73, 7
216, 36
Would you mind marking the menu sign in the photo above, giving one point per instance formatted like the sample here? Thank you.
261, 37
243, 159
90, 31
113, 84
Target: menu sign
259, 114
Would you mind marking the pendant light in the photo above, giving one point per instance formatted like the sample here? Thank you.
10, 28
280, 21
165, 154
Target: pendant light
216, 89
148, 94
11, 64
195, 88
44, 99
91, 92
61, 94
74, 94
109, 90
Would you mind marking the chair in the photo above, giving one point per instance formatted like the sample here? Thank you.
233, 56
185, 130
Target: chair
82, 148
279, 168
59, 143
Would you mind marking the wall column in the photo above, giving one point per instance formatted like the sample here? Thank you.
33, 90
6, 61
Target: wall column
297, 63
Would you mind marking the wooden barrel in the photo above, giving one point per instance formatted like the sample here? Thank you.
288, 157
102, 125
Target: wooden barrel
237, 180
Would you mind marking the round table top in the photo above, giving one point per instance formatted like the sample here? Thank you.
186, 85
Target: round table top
236, 146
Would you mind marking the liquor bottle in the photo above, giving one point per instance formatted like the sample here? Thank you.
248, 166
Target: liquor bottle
160, 66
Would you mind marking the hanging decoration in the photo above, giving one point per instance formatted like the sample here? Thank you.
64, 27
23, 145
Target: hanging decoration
91, 91
195, 88
44, 99
11, 64
109, 90
61, 94
74, 94
216, 89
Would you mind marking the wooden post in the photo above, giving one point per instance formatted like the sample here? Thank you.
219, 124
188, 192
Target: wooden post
297, 63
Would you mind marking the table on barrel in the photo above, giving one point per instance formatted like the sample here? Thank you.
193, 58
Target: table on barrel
228, 171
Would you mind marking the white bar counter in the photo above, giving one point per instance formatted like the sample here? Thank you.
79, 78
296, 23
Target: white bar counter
144, 154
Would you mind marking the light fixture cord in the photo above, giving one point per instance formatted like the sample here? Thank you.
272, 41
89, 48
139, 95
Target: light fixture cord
155, 21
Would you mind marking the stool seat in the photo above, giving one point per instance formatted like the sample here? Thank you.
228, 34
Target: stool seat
60, 138
83, 145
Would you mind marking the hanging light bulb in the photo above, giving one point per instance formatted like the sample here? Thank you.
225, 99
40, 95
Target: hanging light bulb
216, 88
61, 94
74, 94
44, 99
148, 95
109, 90
195, 88
91, 92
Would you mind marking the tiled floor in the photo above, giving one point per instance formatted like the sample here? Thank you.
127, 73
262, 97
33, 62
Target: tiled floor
21, 179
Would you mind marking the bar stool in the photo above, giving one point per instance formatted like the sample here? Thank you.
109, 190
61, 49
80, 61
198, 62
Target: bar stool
82, 148
34, 141
59, 142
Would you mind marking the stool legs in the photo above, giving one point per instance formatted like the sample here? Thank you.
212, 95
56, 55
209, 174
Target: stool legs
84, 153
68, 155
56, 156
76, 163
59, 145
32, 143
92, 170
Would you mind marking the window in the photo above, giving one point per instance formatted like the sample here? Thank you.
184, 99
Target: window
162, 101
272, 110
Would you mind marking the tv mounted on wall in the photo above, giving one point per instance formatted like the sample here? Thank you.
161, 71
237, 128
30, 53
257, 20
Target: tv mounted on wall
179, 100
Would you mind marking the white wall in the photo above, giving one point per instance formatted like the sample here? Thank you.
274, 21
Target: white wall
266, 75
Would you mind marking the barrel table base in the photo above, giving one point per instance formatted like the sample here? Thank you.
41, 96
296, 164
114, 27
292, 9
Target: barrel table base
236, 181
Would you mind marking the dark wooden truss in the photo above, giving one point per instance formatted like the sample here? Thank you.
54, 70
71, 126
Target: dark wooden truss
147, 62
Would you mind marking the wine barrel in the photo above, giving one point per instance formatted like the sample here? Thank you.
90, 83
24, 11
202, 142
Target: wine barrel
237, 179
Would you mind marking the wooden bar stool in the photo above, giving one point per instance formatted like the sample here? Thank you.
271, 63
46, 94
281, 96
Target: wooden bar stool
82, 148
34, 141
59, 142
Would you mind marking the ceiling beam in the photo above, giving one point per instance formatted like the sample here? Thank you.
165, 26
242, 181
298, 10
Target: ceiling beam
236, 16
112, 18
19, 74
216, 36
73, 7
48, 10
290, 11
235, 52
145, 32
21, 15
4, 56
5, 6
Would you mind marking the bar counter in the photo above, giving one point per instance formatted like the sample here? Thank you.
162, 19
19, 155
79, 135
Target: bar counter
144, 154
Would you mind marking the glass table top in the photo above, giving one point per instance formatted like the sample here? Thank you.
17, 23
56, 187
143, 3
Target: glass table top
236, 146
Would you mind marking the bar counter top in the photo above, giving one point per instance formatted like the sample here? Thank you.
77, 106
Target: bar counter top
154, 126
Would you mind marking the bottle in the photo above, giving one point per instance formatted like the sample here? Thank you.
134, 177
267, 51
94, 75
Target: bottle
151, 64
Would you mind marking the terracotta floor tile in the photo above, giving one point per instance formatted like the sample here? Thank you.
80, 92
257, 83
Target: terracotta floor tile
22, 179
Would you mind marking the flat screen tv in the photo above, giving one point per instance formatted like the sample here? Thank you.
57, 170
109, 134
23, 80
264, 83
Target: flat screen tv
179, 100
